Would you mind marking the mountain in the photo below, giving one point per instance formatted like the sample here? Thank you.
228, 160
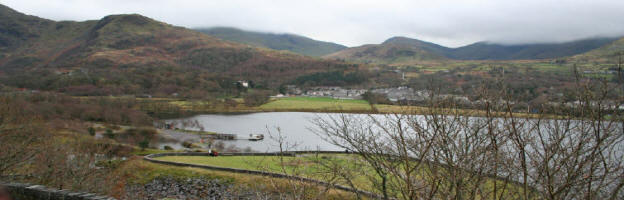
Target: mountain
406, 50
15, 28
492, 51
427, 46
289, 42
133, 54
393, 50
611, 53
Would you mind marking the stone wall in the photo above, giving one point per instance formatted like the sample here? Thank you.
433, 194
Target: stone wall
19, 191
189, 188
151, 157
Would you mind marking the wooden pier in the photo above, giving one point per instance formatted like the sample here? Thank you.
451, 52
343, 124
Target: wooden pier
225, 136
219, 136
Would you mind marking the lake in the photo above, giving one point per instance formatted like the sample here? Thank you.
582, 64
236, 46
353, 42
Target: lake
294, 128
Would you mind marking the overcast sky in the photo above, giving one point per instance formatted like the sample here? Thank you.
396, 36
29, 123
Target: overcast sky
357, 22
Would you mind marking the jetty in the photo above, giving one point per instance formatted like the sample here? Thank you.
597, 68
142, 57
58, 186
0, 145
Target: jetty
226, 136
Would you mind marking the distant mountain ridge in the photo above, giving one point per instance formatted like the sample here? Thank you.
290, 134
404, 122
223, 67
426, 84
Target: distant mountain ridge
397, 49
290, 42
427, 46
492, 51
607, 53
417, 50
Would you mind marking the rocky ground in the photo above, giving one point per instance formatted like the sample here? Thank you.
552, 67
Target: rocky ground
190, 188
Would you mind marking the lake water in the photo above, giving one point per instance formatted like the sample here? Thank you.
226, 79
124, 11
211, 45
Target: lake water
294, 128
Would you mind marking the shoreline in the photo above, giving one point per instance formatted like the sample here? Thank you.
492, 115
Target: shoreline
472, 113
166, 108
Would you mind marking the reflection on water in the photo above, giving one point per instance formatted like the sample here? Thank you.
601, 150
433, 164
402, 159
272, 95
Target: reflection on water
293, 126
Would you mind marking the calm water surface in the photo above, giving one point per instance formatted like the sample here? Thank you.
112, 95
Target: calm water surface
294, 128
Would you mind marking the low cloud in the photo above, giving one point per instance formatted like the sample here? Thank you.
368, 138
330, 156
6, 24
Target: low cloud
357, 22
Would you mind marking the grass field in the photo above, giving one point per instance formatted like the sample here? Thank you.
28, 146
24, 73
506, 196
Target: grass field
182, 108
315, 103
138, 171
265, 163
304, 104
307, 165
317, 166
326, 104
485, 65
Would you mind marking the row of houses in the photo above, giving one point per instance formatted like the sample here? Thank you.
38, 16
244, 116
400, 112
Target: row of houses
402, 93
393, 94
335, 92
600, 72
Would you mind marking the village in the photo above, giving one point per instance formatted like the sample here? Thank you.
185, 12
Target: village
407, 94
394, 94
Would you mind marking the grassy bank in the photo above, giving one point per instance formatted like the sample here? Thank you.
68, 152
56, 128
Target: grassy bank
165, 108
299, 104
138, 171
319, 104
308, 165
315, 103
321, 167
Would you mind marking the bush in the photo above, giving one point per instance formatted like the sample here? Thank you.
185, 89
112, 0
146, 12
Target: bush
230, 102
187, 144
91, 131
168, 148
114, 127
138, 135
144, 144
108, 164
109, 134
256, 98
374, 98
335, 78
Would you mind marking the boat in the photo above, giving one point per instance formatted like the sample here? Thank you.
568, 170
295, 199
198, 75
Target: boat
256, 137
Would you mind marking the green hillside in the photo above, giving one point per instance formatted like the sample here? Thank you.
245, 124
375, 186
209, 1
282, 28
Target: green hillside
611, 53
492, 51
289, 42
394, 50
16, 28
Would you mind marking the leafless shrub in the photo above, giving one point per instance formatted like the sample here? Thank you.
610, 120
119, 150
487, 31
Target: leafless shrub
492, 153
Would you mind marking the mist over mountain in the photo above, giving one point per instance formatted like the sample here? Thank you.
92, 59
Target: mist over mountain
407, 49
125, 101
290, 42
612, 52
130, 54
492, 51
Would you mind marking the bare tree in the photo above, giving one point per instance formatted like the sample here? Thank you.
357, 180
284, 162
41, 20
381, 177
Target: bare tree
287, 164
494, 153
20, 132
